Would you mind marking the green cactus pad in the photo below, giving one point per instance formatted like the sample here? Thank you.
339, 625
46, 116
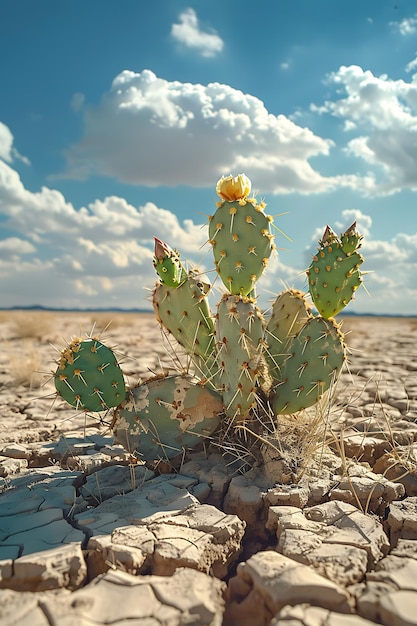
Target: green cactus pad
168, 265
184, 311
239, 335
240, 234
290, 312
164, 416
88, 376
334, 275
316, 357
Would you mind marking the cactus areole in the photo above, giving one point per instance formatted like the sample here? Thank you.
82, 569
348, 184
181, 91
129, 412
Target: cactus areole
290, 360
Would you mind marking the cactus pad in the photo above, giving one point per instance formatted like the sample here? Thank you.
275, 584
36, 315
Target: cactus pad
164, 416
240, 234
88, 376
239, 335
334, 274
290, 312
316, 356
184, 311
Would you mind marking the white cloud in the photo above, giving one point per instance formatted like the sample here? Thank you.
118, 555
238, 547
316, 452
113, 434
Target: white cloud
101, 255
189, 33
363, 222
6, 143
7, 151
384, 112
150, 131
407, 26
46, 215
98, 256
412, 65
13, 247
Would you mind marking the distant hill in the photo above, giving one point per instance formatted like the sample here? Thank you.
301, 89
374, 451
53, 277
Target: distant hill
39, 307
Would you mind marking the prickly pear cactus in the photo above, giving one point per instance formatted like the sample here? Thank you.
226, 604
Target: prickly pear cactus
239, 335
334, 274
315, 358
240, 234
236, 356
88, 376
165, 416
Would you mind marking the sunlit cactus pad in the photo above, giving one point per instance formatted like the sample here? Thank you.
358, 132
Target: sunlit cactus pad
88, 376
240, 233
184, 312
315, 359
164, 416
239, 334
290, 312
334, 274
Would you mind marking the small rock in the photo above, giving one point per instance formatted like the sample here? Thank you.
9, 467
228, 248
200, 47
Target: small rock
244, 499
211, 469
291, 495
268, 581
10, 466
16, 451
402, 520
340, 548
400, 467
51, 569
371, 491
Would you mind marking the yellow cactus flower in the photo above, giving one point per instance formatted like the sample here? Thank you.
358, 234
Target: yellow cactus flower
233, 187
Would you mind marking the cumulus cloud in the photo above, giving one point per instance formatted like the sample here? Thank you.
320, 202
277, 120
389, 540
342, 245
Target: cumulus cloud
99, 255
406, 26
7, 150
14, 247
384, 114
189, 34
150, 131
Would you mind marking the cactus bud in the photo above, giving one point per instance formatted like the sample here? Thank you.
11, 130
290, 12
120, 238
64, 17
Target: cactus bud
168, 265
351, 240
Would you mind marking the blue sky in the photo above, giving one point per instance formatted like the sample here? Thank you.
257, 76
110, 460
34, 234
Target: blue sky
117, 119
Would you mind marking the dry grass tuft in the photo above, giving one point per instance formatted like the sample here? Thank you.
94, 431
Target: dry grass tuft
25, 368
32, 325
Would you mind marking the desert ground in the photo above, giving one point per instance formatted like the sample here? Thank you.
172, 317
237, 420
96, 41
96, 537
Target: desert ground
265, 545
